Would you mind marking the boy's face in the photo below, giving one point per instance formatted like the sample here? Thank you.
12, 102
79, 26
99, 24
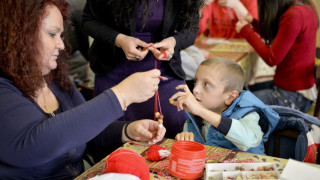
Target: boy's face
209, 89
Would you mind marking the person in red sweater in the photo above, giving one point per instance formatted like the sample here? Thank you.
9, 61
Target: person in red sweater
219, 17
288, 40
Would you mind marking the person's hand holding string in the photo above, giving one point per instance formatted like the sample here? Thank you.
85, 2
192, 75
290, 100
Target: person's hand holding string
166, 49
134, 48
137, 88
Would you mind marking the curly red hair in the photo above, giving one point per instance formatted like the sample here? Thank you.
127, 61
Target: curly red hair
20, 23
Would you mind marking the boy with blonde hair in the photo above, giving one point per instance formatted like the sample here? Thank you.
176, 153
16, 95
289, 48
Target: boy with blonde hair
223, 114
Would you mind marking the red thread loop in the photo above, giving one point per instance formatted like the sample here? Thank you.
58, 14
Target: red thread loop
157, 105
164, 54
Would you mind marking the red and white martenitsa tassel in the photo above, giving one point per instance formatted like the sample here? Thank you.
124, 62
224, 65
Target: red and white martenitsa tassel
156, 153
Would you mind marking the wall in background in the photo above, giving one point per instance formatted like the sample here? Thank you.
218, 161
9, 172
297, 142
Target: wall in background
317, 4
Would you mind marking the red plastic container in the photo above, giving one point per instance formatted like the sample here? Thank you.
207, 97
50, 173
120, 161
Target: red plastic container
187, 160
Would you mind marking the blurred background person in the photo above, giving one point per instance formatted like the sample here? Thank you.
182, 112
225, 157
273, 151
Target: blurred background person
219, 17
79, 68
288, 29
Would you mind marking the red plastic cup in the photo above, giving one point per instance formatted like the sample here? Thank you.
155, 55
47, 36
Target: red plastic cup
187, 160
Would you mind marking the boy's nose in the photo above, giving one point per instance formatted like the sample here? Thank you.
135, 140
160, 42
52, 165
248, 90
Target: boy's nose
196, 89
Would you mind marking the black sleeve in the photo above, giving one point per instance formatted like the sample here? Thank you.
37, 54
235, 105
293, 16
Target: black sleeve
225, 125
98, 22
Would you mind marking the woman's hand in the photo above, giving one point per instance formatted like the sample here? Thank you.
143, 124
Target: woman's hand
248, 18
129, 46
186, 100
166, 49
137, 88
240, 10
229, 3
185, 136
145, 130
240, 24
208, 1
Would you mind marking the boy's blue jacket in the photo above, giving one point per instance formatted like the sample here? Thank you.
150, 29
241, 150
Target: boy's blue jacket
244, 104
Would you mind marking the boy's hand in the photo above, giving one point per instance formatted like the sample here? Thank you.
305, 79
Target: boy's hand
185, 136
186, 100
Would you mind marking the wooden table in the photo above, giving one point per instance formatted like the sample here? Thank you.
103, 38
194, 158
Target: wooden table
228, 51
237, 50
214, 154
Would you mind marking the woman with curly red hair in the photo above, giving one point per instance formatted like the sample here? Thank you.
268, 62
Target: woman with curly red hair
45, 123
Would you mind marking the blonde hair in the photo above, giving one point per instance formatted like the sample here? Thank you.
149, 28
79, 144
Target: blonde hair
229, 72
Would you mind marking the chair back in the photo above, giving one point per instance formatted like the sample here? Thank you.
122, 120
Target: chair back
297, 135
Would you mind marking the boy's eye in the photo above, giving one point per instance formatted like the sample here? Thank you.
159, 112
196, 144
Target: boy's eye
207, 85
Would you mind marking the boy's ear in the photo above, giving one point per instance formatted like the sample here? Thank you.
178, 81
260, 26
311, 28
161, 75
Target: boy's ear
232, 96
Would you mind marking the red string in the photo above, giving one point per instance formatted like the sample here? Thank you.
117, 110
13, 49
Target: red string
156, 96
155, 104
159, 103
155, 63
144, 145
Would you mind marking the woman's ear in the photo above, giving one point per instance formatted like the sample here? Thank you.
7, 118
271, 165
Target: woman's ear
231, 97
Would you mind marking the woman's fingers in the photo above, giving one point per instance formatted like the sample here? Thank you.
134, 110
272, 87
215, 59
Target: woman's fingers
140, 86
166, 48
146, 130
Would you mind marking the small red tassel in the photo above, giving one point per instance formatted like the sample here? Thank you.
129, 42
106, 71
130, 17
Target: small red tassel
156, 153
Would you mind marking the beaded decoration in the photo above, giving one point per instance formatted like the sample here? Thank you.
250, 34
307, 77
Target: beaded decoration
157, 106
